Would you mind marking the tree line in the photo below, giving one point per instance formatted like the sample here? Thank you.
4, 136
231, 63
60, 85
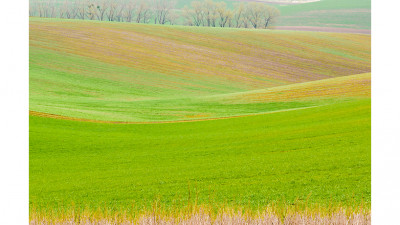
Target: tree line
245, 15
198, 13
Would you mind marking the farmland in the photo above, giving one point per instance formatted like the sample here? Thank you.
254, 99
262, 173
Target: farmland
328, 13
126, 115
249, 160
173, 73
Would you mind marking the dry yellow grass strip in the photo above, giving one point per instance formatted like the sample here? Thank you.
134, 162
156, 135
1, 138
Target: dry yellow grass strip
223, 218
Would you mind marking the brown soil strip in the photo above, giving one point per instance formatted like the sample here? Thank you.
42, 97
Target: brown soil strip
325, 29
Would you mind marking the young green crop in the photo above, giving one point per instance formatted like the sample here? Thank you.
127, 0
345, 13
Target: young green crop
320, 155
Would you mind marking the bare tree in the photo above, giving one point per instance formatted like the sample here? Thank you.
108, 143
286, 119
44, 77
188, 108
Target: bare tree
65, 10
224, 14
187, 15
210, 12
147, 15
230, 21
80, 6
69, 10
254, 13
172, 17
239, 10
111, 13
246, 22
162, 9
52, 8
129, 12
270, 15
142, 12
91, 11
119, 11
62, 11
72, 13
32, 8
43, 9
197, 14
101, 7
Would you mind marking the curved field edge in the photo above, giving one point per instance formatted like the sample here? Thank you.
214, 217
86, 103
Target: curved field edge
54, 116
277, 99
317, 155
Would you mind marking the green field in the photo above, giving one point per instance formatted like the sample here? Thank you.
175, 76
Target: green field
269, 116
328, 13
319, 152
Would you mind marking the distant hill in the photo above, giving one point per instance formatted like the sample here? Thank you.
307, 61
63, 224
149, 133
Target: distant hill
328, 13
350, 14
354, 14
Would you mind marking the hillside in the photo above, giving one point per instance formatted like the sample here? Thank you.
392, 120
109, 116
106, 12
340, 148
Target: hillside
278, 99
354, 14
135, 72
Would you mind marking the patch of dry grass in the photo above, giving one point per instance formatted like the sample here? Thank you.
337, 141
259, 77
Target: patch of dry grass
205, 216
192, 213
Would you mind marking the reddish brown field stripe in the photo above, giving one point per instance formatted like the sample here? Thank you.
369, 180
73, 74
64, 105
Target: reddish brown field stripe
54, 116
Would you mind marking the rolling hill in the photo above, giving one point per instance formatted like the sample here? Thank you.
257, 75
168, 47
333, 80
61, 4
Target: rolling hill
354, 14
126, 116
134, 72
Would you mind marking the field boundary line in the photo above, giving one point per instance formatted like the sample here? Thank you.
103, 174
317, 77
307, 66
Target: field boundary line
55, 116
